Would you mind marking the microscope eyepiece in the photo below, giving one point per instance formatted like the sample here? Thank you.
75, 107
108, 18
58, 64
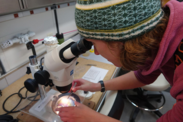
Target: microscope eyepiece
74, 49
81, 47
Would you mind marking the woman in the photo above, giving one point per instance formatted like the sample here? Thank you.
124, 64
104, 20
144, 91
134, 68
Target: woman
136, 35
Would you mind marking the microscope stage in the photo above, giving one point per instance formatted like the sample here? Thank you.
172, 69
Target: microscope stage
42, 109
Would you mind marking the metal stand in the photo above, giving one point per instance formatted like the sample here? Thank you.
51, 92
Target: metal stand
141, 102
54, 7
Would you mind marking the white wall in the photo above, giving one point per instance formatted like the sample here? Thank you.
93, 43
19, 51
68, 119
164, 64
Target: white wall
43, 24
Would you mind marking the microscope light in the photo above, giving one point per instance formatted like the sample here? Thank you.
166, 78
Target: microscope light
65, 102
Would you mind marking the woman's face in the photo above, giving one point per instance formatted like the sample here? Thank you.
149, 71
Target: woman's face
102, 48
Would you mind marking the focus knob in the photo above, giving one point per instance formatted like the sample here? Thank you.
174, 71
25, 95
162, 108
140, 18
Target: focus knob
42, 77
31, 85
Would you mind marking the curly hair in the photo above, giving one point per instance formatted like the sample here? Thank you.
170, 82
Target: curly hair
135, 52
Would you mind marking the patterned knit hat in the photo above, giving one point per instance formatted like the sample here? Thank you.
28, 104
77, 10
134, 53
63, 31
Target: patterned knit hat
116, 20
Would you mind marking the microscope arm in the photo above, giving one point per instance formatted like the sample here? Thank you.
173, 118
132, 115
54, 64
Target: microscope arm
59, 63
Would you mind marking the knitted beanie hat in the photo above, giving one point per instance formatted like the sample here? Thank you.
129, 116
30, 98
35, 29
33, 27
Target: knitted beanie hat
116, 20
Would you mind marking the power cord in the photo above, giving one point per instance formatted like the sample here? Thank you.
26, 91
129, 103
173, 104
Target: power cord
31, 98
8, 118
41, 63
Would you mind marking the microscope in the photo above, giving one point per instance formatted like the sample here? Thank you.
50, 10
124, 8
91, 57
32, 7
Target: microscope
59, 63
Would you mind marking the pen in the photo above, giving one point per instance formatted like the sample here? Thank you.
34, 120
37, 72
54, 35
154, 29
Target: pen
71, 90
91, 64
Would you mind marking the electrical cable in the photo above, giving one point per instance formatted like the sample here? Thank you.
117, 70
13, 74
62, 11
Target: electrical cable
21, 98
30, 98
41, 63
11, 111
63, 33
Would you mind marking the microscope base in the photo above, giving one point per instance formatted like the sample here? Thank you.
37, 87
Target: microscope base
42, 109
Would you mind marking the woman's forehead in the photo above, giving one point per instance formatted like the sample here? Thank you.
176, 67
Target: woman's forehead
92, 39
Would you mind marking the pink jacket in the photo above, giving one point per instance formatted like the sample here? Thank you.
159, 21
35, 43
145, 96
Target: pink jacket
164, 62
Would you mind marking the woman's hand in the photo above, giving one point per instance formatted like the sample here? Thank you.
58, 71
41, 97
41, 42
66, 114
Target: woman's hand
82, 113
85, 85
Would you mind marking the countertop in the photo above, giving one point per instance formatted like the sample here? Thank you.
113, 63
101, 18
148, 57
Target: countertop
80, 70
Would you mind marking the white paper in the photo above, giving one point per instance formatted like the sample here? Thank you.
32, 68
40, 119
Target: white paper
95, 74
